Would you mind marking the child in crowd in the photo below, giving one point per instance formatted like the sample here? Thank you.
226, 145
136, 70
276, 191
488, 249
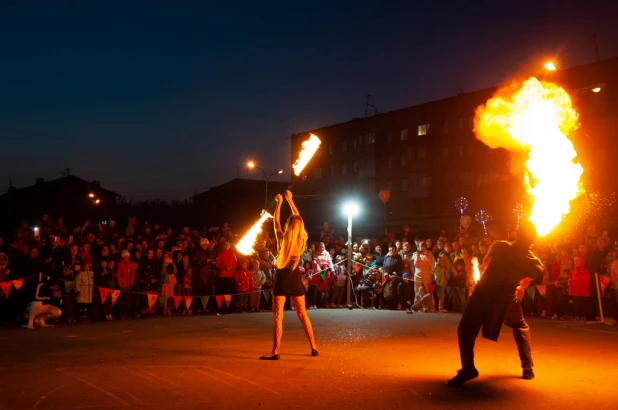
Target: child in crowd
405, 289
325, 280
341, 278
314, 281
168, 282
458, 284
104, 278
187, 287
441, 273
259, 278
244, 285
84, 283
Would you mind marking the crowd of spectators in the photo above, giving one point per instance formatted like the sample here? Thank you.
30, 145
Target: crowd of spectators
63, 269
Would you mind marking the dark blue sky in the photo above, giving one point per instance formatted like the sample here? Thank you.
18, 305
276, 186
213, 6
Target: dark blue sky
167, 98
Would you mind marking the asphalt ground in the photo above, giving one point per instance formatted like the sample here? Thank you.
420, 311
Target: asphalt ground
368, 359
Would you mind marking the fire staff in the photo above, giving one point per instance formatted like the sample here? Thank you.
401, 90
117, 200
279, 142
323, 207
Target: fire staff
508, 269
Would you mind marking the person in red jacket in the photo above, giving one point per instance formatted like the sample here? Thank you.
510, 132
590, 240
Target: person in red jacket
125, 279
579, 289
244, 285
227, 264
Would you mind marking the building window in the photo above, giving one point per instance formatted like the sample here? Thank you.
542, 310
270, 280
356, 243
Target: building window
403, 134
445, 153
344, 146
344, 169
317, 173
445, 127
355, 165
389, 186
404, 159
360, 140
422, 129
425, 181
389, 138
370, 138
404, 184
390, 162
422, 152
354, 143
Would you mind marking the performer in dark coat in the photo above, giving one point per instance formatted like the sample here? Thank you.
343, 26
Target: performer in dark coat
508, 269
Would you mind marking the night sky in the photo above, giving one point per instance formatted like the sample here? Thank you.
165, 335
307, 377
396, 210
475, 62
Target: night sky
168, 98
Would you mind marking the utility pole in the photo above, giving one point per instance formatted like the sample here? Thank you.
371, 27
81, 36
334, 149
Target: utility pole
369, 107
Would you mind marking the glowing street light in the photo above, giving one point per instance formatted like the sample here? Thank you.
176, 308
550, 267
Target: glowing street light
91, 195
596, 89
267, 177
550, 66
98, 201
351, 209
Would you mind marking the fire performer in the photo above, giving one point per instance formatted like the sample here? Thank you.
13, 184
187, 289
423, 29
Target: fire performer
288, 277
497, 299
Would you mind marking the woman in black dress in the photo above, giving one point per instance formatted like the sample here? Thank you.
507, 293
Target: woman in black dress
288, 277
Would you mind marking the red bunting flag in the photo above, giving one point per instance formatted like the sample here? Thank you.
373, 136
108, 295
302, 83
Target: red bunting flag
6, 287
430, 288
188, 300
227, 298
604, 282
177, 300
18, 283
542, 289
219, 299
104, 292
530, 290
151, 300
115, 294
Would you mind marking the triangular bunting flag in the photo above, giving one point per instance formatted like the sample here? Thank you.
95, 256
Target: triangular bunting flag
219, 299
604, 282
104, 292
204, 301
163, 301
227, 299
6, 287
18, 283
542, 289
177, 300
323, 275
188, 300
431, 287
530, 292
151, 300
266, 295
115, 294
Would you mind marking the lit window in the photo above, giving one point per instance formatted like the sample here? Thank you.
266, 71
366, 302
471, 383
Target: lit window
344, 169
445, 127
422, 129
404, 185
370, 138
445, 153
344, 146
404, 134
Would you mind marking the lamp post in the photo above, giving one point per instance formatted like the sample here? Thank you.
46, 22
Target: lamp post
267, 177
550, 66
350, 210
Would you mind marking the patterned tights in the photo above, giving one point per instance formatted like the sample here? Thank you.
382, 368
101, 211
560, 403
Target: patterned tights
301, 312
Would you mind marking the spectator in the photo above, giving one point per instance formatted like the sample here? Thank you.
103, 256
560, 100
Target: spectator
168, 283
341, 280
227, 264
244, 285
45, 304
125, 279
84, 283
259, 278
104, 277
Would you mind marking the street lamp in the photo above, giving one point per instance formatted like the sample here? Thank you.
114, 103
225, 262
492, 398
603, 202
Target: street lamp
550, 66
350, 209
267, 177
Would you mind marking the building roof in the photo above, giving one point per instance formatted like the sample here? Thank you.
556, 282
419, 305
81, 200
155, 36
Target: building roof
243, 184
57, 184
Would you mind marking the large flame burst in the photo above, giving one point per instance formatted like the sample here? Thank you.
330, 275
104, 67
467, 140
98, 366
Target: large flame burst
309, 147
476, 273
536, 119
245, 245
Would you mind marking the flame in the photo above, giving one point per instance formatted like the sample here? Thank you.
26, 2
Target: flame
536, 119
476, 273
245, 245
310, 146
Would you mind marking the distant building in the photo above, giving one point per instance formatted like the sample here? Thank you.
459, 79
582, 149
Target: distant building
238, 202
427, 156
70, 197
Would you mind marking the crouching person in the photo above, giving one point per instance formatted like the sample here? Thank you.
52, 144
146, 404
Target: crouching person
45, 304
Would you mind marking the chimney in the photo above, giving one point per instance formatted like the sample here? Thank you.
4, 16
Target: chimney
96, 183
39, 181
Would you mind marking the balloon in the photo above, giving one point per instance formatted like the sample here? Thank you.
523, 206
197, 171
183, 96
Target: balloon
384, 196
465, 221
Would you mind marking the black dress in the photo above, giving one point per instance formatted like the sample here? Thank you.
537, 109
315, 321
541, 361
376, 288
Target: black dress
289, 282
